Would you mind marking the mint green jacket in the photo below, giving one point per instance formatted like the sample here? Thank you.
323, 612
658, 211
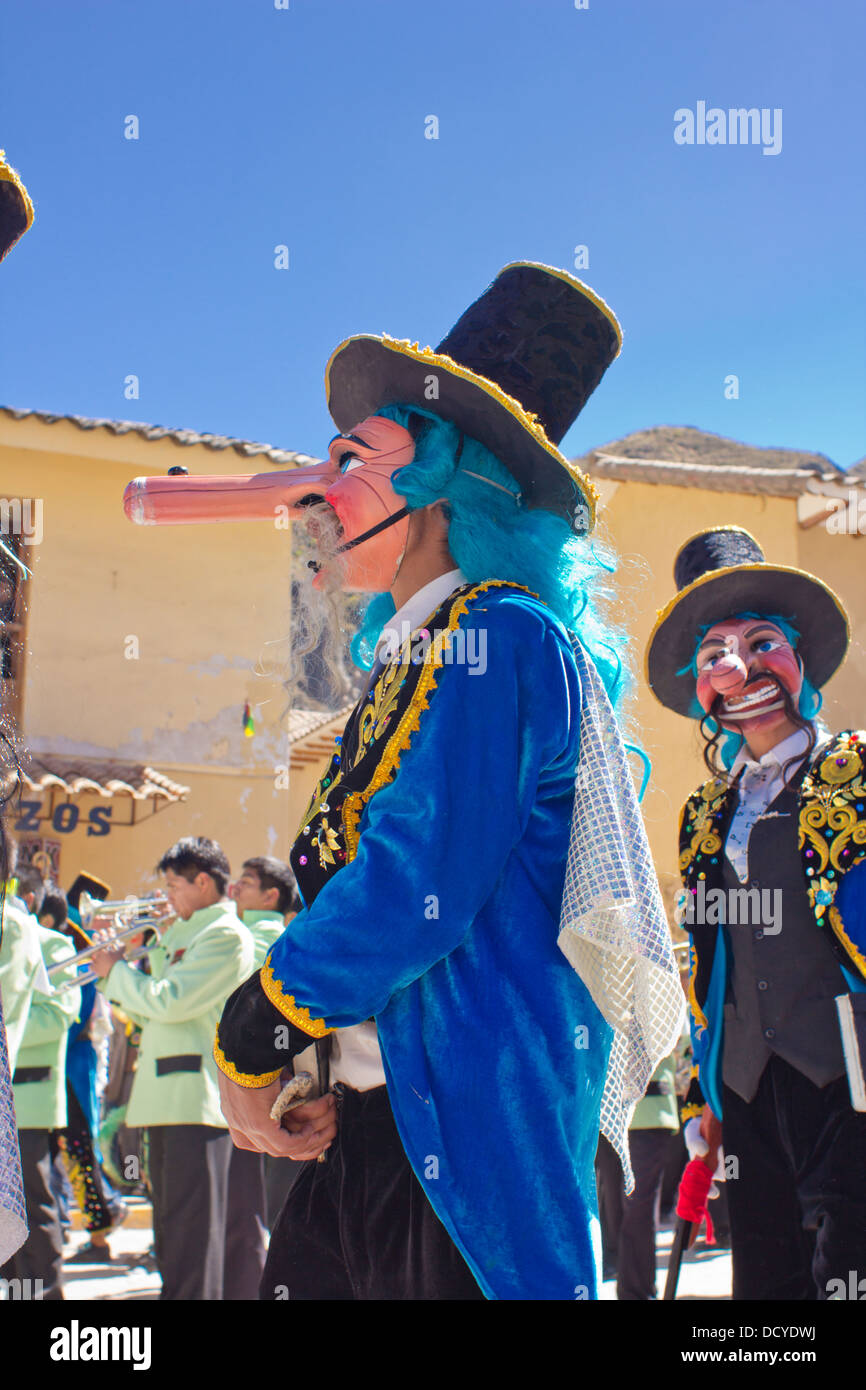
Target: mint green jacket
266, 928
40, 1100
661, 1110
197, 965
20, 970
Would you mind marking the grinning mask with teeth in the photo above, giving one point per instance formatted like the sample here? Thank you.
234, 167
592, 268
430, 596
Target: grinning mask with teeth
745, 666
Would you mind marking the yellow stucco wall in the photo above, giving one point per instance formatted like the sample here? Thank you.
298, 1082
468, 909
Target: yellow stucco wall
240, 809
201, 607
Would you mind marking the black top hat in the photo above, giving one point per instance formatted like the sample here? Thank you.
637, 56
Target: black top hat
514, 373
16, 209
87, 883
720, 573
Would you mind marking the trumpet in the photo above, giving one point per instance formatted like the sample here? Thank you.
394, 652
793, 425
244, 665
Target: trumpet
148, 914
145, 910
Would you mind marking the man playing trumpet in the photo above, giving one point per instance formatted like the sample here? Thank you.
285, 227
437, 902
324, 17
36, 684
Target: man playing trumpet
204, 954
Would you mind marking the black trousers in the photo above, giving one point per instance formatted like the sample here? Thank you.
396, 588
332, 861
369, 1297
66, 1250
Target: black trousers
281, 1174
41, 1255
359, 1226
246, 1226
189, 1177
798, 1202
628, 1224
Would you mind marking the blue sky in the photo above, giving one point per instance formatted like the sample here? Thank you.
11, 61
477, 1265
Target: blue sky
305, 126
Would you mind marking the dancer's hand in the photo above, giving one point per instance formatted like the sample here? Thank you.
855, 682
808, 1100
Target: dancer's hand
703, 1136
317, 1120
711, 1131
306, 1131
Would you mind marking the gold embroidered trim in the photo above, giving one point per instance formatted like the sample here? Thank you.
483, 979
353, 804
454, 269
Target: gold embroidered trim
838, 927
838, 769
410, 722
697, 1012
700, 810
295, 1013
529, 421
321, 793
828, 794
250, 1081
688, 1112
383, 699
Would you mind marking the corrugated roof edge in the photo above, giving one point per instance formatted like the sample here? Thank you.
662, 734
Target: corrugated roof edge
152, 433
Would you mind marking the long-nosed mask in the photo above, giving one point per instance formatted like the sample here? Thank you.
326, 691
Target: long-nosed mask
363, 498
355, 480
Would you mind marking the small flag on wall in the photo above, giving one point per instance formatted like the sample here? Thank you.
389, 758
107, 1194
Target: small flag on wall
249, 722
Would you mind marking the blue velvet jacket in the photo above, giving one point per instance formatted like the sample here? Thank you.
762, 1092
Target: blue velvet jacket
82, 1063
442, 924
831, 838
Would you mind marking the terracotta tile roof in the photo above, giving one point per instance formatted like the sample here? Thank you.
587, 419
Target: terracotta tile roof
245, 447
312, 734
685, 444
71, 775
303, 722
682, 456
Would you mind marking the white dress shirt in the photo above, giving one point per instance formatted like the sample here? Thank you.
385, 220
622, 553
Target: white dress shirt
760, 784
355, 1056
413, 612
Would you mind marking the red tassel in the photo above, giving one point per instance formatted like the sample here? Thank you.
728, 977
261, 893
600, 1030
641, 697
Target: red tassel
695, 1183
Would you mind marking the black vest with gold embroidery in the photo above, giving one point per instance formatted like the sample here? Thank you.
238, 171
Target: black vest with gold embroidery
831, 821
378, 731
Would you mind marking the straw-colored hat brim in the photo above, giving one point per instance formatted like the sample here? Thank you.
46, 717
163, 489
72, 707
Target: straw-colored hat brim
366, 373
801, 599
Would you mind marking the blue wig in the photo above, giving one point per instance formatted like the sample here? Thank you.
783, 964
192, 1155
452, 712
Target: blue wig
491, 536
808, 704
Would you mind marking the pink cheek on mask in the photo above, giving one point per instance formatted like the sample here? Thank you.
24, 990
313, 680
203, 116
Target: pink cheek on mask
345, 501
360, 505
783, 664
705, 692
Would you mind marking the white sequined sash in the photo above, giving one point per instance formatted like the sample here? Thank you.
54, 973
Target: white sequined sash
613, 927
13, 1222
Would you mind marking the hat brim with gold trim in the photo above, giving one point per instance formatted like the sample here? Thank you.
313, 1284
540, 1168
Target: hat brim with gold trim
16, 209
514, 373
720, 573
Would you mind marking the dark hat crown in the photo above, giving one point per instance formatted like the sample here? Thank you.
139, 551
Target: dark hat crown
541, 337
87, 883
715, 550
16, 209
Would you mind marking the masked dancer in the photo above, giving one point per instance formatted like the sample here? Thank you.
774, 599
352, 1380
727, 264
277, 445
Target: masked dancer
482, 945
771, 853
